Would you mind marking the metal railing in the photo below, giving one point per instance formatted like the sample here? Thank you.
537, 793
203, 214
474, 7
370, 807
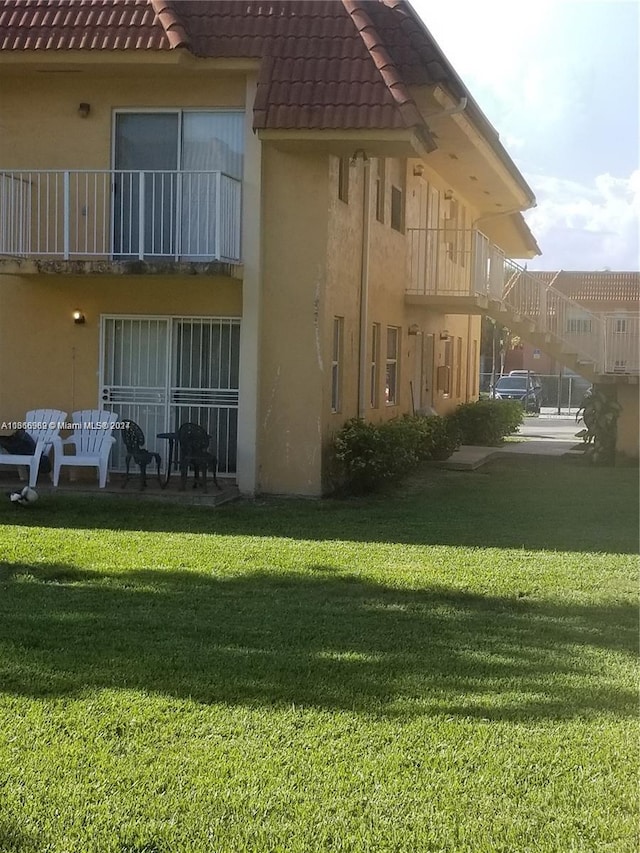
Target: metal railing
454, 262
576, 329
120, 214
463, 262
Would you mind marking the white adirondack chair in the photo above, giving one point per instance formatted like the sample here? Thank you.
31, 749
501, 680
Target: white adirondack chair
91, 440
43, 425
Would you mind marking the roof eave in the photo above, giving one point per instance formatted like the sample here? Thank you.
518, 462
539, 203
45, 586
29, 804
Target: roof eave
475, 113
375, 142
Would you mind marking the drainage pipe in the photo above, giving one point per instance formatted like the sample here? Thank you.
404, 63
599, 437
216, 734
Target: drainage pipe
364, 285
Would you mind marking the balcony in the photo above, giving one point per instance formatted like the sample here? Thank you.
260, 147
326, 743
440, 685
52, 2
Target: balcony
461, 271
120, 215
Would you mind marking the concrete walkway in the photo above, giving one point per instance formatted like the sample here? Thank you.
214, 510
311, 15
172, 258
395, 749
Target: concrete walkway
469, 458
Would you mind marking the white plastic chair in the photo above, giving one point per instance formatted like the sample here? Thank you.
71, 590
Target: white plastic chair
91, 440
43, 425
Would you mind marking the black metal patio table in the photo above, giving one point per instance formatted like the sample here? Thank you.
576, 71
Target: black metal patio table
172, 438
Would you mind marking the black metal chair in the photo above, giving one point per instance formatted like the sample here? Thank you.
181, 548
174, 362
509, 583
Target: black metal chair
133, 438
194, 452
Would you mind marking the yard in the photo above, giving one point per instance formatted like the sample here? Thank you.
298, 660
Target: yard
449, 668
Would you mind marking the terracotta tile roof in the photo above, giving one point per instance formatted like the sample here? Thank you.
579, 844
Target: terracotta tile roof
621, 288
80, 25
324, 64
343, 64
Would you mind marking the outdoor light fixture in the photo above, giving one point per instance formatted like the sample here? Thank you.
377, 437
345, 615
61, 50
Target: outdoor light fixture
84, 109
358, 154
79, 318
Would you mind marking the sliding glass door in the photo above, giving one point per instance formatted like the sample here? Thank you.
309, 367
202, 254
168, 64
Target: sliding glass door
176, 184
164, 371
145, 191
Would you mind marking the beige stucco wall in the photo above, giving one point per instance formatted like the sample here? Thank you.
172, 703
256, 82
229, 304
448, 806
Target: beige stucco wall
305, 269
49, 362
40, 128
292, 360
312, 273
628, 422
41, 111
386, 281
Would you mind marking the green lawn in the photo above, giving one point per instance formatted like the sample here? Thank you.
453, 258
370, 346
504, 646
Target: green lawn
447, 667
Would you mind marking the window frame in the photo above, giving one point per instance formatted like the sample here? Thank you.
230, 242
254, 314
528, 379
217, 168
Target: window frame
343, 179
458, 371
397, 209
392, 364
336, 364
374, 367
579, 326
381, 175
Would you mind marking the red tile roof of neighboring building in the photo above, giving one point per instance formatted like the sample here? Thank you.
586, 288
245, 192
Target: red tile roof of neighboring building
589, 287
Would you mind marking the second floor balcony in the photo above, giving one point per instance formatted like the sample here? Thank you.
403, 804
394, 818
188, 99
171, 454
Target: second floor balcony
461, 271
121, 215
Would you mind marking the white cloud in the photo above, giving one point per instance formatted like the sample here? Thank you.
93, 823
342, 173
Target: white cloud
587, 226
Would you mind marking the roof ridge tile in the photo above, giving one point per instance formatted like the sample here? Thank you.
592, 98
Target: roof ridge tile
171, 23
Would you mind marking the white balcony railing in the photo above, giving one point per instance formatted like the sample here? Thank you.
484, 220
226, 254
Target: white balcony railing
120, 215
578, 330
463, 262
454, 262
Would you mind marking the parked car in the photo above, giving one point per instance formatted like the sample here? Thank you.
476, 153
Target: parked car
537, 382
521, 388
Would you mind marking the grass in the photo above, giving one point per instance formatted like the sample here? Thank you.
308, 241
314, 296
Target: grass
448, 667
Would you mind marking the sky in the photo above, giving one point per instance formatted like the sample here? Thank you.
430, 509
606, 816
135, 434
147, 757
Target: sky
559, 80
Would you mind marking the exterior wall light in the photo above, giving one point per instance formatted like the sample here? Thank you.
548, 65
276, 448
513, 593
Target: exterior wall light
358, 154
79, 318
84, 109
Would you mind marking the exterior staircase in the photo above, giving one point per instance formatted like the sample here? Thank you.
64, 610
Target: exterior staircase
462, 272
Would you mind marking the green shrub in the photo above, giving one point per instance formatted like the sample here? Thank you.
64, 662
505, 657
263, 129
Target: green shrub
435, 439
370, 455
487, 422
360, 453
599, 412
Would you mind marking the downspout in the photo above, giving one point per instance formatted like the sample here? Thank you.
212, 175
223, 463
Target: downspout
364, 284
470, 378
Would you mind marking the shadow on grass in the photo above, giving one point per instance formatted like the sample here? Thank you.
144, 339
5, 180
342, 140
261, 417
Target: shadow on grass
319, 641
526, 503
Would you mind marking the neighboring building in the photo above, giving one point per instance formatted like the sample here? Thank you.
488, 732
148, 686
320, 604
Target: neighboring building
612, 296
615, 296
271, 217
601, 310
